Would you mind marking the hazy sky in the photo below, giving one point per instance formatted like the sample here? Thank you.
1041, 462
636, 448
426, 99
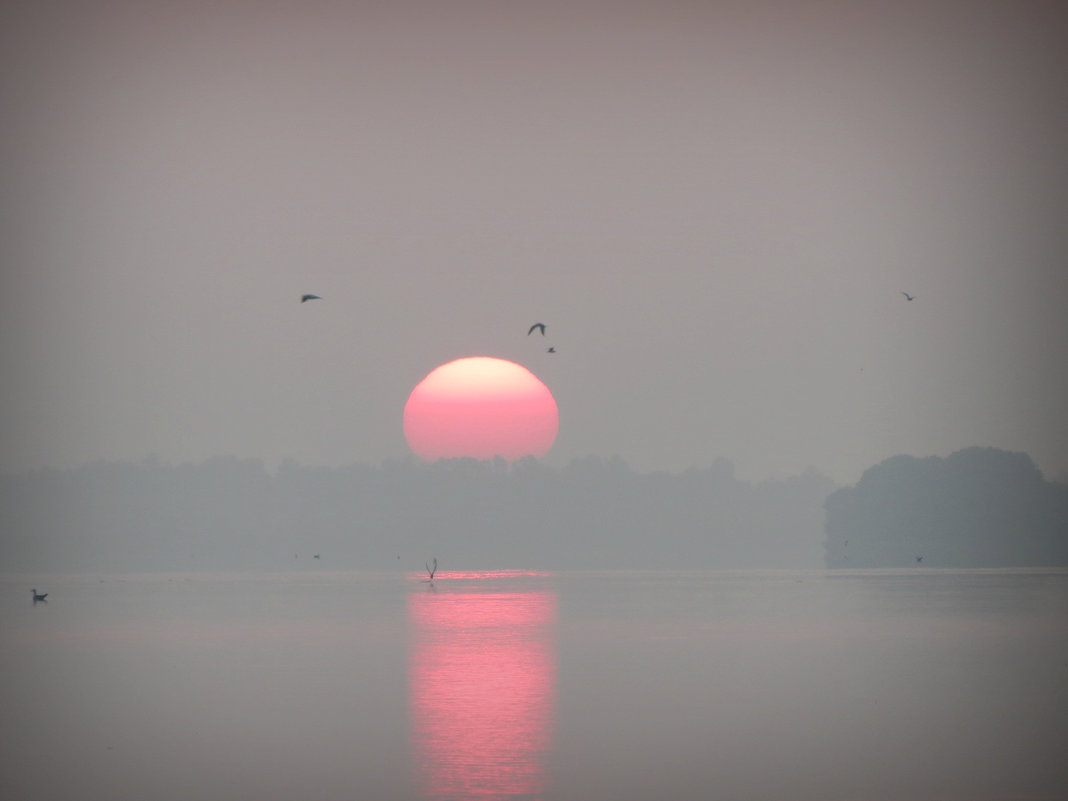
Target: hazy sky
713, 206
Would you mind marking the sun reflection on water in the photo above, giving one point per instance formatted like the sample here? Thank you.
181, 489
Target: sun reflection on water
482, 675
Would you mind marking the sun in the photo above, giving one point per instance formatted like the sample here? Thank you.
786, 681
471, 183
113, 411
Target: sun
480, 407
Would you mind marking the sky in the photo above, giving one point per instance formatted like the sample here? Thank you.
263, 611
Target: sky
714, 208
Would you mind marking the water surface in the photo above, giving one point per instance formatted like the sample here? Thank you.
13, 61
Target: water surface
866, 685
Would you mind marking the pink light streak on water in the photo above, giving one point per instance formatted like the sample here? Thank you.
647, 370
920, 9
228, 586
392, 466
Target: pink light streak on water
482, 674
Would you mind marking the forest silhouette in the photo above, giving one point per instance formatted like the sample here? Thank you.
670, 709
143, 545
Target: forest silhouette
980, 507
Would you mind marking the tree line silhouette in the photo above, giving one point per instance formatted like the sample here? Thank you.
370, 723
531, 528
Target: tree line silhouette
229, 513
979, 507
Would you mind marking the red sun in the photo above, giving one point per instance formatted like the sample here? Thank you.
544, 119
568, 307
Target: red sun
480, 407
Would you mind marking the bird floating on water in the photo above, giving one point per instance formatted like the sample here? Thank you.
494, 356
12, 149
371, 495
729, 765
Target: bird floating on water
908, 296
306, 298
39, 596
540, 326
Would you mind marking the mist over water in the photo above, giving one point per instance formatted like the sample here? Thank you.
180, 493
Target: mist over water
903, 684
869, 685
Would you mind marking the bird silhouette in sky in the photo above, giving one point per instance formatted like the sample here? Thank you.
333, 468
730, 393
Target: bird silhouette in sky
39, 596
908, 296
306, 298
551, 350
537, 326
919, 559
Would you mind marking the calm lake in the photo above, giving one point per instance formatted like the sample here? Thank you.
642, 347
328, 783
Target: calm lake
860, 686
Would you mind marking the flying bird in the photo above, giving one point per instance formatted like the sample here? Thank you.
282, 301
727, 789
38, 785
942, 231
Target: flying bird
919, 559
551, 350
316, 556
306, 298
39, 596
908, 296
537, 326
